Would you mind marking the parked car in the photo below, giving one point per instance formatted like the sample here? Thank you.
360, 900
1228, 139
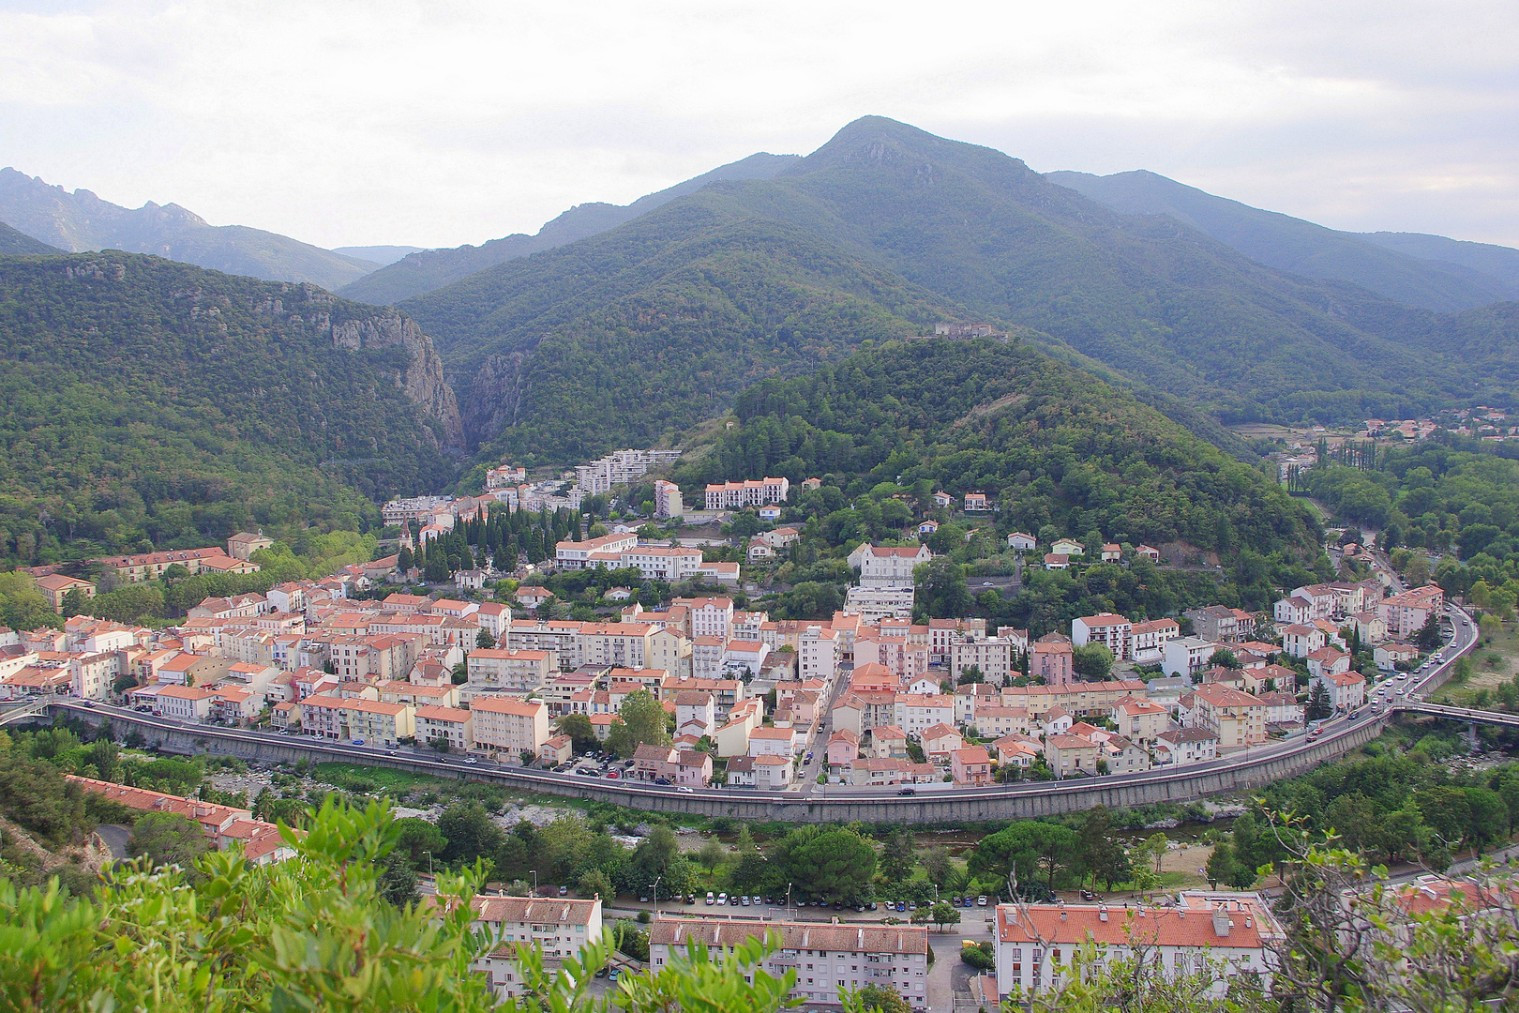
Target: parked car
613, 974
564, 891
710, 898
981, 901
613, 775
722, 898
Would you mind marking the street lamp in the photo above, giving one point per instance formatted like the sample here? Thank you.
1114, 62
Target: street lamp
656, 895
788, 900
535, 882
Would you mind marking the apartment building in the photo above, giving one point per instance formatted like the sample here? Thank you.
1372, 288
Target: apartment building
824, 957
507, 726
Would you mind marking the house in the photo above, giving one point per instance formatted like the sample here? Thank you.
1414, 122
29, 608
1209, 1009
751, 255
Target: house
1299, 640
1147, 552
888, 742
1057, 561
976, 503
943, 500
1021, 541
1069, 754
1068, 547
1140, 720
1389, 656
971, 766
927, 528
774, 773
1327, 661
843, 748
1111, 552
770, 512
1180, 746
243, 544
55, 586
1225, 933
1347, 690
556, 749
940, 741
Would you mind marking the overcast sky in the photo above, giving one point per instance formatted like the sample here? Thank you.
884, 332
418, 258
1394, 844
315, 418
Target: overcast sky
440, 123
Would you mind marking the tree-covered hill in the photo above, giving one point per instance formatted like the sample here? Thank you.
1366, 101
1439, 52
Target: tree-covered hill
149, 403
905, 227
17, 243
81, 221
428, 270
1051, 444
1436, 274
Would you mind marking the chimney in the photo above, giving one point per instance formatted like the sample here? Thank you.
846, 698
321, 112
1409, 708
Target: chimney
1221, 923
1062, 912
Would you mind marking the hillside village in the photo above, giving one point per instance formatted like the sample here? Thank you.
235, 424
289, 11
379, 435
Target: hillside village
869, 695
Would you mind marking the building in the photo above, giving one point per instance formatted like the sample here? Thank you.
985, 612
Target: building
667, 500
225, 826
1111, 631
1179, 746
1406, 613
508, 727
55, 586
509, 671
1050, 659
244, 544
971, 766
754, 492
1238, 718
1222, 935
558, 926
1347, 690
824, 957
453, 725
887, 566
1186, 656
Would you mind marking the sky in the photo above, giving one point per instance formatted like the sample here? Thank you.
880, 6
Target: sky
447, 122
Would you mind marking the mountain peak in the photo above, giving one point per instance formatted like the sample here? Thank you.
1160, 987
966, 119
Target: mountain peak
879, 141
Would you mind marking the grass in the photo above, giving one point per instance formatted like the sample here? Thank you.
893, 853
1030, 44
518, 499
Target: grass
1502, 649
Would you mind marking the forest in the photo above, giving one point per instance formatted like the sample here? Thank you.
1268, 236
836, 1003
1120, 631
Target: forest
148, 404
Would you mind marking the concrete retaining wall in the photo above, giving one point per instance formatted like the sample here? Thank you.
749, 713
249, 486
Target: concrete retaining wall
1009, 802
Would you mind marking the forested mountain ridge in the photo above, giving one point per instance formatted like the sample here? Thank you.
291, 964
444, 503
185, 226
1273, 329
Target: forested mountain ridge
428, 270
20, 244
149, 403
81, 221
627, 336
1048, 443
915, 229
1429, 272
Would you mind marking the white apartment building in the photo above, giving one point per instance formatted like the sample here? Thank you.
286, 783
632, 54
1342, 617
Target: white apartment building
824, 957
1406, 613
873, 604
667, 501
1186, 656
1220, 934
1111, 631
992, 656
887, 566
573, 555
754, 492
559, 926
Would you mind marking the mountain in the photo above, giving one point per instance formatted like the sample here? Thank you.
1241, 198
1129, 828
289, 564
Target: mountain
145, 402
19, 244
883, 232
81, 221
1054, 446
428, 270
379, 256
1424, 271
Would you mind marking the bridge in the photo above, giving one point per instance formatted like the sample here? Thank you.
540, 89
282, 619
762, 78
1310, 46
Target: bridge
1467, 714
13, 713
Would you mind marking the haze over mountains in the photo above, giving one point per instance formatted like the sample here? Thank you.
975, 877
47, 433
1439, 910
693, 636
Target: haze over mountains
79, 221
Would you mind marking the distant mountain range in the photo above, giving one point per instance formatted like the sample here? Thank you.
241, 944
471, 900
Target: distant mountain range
1418, 270
429, 270
80, 221
885, 231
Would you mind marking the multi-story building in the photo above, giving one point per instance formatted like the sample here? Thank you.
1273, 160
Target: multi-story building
507, 726
825, 958
993, 657
887, 566
1186, 656
754, 492
573, 555
1109, 630
510, 671
667, 499
1221, 935
1238, 718
558, 926
1406, 613
1050, 659
453, 725
1147, 640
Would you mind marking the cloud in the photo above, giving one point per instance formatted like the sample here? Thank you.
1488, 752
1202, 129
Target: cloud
452, 122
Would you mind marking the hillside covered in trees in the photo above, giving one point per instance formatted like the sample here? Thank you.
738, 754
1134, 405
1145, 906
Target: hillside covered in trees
147, 403
885, 231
